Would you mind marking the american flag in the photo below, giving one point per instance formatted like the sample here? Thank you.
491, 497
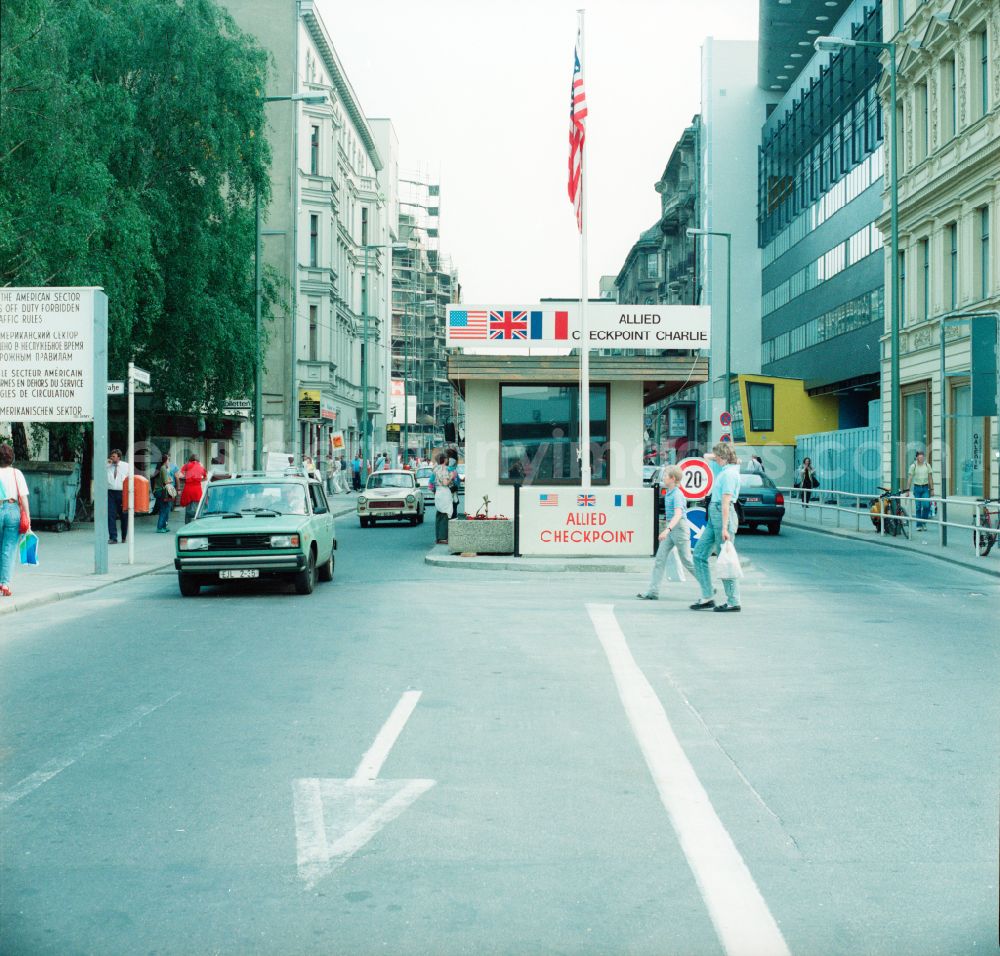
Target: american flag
465, 324
550, 501
586, 501
508, 325
577, 134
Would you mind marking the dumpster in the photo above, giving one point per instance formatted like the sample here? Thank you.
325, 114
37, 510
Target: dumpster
52, 490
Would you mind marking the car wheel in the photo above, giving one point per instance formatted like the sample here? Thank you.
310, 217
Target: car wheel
305, 580
190, 586
325, 571
420, 520
774, 527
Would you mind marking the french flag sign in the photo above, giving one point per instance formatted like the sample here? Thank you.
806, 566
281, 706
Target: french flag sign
624, 501
548, 324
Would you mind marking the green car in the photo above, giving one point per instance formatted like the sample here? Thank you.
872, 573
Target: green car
257, 526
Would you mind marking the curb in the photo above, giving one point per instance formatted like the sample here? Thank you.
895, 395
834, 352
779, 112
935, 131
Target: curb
880, 542
440, 557
51, 597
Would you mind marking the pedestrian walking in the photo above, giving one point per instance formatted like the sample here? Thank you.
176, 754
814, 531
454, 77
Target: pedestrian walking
193, 474
441, 481
674, 536
805, 478
330, 473
356, 472
719, 528
15, 515
456, 480
165, 492
118, 472
920, 481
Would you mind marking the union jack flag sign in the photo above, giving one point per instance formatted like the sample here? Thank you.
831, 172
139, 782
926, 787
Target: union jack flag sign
509, 325
586, 501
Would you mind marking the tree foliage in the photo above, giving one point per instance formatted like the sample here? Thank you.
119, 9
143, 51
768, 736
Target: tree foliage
129, 160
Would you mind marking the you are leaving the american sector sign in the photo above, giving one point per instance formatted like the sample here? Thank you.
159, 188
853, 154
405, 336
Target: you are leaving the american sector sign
47, 354
555, 325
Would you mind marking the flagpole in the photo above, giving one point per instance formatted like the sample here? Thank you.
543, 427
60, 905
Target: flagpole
584, 339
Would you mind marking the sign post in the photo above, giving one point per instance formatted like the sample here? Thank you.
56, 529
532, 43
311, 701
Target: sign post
134, 375
54, 368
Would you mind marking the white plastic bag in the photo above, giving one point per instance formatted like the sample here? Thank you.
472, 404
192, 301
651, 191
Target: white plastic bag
728, 567
675, 570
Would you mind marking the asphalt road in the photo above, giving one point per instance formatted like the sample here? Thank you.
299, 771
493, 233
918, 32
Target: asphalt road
421, 760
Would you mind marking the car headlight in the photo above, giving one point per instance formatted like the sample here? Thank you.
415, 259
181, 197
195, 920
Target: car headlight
411, 499
362, 501
284, 540
193, 544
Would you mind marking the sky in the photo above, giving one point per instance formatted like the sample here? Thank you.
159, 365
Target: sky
478, 93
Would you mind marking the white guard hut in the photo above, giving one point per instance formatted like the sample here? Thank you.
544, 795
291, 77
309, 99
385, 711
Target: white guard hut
520, 377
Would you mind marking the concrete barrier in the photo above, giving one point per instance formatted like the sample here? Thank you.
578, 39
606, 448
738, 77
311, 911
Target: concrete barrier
480, 537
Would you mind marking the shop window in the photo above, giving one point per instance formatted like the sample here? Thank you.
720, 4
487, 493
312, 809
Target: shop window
968, 444
540, 434
760, 402
916, 406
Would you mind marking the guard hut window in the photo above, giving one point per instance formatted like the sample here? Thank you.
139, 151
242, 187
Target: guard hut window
540, 434
760, 399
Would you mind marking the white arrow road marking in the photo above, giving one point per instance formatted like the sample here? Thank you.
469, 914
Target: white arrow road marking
334, 818
741, 918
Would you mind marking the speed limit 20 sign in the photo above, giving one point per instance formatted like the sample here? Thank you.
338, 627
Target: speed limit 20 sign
696, 478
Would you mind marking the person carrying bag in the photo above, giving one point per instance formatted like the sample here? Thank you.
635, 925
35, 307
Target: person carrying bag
15, 515
441, 483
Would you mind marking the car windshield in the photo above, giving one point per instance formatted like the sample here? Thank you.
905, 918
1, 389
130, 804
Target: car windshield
424, 473
390, 480
755, 481
648, 471
286, 498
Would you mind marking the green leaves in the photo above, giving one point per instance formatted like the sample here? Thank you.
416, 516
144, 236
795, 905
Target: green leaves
128, 160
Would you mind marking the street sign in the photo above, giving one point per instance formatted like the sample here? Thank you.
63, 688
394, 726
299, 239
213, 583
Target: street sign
697, 518
725, 436
725, 419
696, 478
116, 388
140, 375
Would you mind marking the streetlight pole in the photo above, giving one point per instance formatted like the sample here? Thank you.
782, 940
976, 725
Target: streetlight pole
831, 45
314, 99
728, 236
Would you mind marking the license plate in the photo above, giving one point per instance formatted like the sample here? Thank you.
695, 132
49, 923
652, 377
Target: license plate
248, 573
756, 499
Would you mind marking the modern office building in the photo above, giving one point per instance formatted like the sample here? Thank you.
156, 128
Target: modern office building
819, 194
948, 106
325, 240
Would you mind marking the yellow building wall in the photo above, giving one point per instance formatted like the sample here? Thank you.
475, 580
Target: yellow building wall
795, 413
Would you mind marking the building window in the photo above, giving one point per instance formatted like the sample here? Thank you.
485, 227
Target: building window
923, 121
364, 225
901, 151
925, 277
314, 240
949, 97
760, 401
900, 15
969, 436
982, 53
902, 286
540, 434
984, 252
916, 404
313, 333
951, 238
314, 150
652, 265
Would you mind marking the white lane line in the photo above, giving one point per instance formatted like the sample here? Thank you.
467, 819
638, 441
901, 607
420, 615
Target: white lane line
741, 918
59, 764
371, 762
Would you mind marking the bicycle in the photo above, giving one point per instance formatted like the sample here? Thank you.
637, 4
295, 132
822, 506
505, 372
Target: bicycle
986, 518
886, 509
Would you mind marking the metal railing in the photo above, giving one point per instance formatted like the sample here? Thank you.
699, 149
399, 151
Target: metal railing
831, 506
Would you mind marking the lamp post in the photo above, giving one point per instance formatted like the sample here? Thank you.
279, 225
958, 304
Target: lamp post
314, 99
728, 236
365, 430
831, 45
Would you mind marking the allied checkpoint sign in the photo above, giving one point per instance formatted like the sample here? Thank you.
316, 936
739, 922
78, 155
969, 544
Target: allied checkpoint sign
567, 521
54, 368
557, 325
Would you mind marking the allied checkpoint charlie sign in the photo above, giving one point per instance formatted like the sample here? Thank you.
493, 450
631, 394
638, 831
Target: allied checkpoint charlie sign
568, 520
54, 368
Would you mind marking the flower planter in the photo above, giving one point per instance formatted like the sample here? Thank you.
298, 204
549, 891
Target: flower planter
481, 537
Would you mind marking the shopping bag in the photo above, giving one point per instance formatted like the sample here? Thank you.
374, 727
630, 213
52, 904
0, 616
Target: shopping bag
27, 548
675, 570
729, 562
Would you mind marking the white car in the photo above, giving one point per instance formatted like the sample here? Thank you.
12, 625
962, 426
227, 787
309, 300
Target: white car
424, 475
391, 496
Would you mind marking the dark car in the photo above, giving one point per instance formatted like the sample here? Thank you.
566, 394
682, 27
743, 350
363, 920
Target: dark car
760, 503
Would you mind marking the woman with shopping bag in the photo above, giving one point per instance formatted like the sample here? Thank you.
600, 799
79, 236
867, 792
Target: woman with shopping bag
15, 518
720, 530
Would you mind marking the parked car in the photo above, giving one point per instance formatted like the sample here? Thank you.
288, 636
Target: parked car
760, 503
649, 473
424, 476
258, 527
392, 495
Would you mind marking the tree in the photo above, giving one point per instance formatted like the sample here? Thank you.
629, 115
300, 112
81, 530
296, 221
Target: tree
129, 160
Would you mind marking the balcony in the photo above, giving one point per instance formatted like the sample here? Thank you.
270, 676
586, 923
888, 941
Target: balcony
317, 373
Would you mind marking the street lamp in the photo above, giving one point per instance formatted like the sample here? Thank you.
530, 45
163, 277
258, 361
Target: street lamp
832, 45
728, 236
365, 430
314, 99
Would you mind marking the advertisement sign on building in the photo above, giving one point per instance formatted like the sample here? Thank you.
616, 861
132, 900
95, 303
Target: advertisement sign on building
309, 404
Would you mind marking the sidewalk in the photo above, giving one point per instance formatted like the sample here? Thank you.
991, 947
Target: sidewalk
66, 560
958, 551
